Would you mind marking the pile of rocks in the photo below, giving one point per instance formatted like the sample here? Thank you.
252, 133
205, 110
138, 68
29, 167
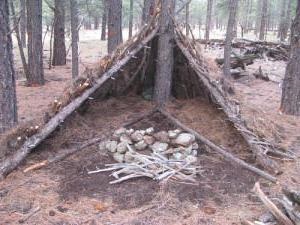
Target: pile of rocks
174, 144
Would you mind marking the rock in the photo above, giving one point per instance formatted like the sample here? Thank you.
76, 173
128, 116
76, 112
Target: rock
162, 136
150, 131
141, 145
111, 146
185, 139
137, 136
191, 159
159, 147
267, 218
174, 133
142, 132
129, 131
52, 213
119, 157
178, 156
128, 157
189, 149
195, 145
194, 153
122, 147
125, 138
118, 133
149, 140
102, 146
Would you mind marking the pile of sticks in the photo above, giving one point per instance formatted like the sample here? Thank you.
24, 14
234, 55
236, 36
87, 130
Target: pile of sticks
154, 166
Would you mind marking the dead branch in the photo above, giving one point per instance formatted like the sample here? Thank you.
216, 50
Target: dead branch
283, 219
218, 149
63, 155
138, 119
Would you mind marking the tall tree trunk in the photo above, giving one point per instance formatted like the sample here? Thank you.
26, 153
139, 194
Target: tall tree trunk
263, 21
23, 22
290, 101
75, 37
35, 42
87, 21
17, 30
59, 47
96, 22
208, 19
187, 19
281, 29
287, 23
8, 99
130, 19
148, 11
165, 61
258, 16
114, 24
233, 4
104, 20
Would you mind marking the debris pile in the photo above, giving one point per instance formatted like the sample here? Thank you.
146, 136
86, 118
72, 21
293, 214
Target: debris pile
160, 156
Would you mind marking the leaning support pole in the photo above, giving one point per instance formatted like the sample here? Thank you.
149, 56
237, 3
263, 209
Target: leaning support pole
220, 150
12, 162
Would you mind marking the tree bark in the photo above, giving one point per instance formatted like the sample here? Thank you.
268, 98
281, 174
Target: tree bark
263, 21
23, 22
164, 66
104, 20
208, 19
281, 29
130, 19
8, 99
96, 22
290, 101
233, 4
148, 11
114, 24
75, 37
287, 23
59, 46
187, 19
35, 42
258, 17
22, 54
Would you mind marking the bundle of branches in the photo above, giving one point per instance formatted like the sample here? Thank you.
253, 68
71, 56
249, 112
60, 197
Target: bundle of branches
287, 214
154, 166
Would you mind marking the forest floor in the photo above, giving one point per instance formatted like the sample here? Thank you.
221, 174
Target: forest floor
63, 193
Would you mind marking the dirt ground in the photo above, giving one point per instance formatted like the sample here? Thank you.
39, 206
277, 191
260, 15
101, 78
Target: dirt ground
64, 193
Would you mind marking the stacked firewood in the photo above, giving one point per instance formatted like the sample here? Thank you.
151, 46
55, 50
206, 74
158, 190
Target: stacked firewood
143, 153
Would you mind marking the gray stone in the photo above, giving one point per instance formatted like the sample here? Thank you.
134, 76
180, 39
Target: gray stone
129, 131
122, 147
185, 139
159, 147
141, 145
118, 133
128, 157
194, 153
267, 218
195, 146
174, 133
119, 157
111, 146
125, 138
149, 140
150, 131
102, 146
137, 136
162, 136
178, 156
